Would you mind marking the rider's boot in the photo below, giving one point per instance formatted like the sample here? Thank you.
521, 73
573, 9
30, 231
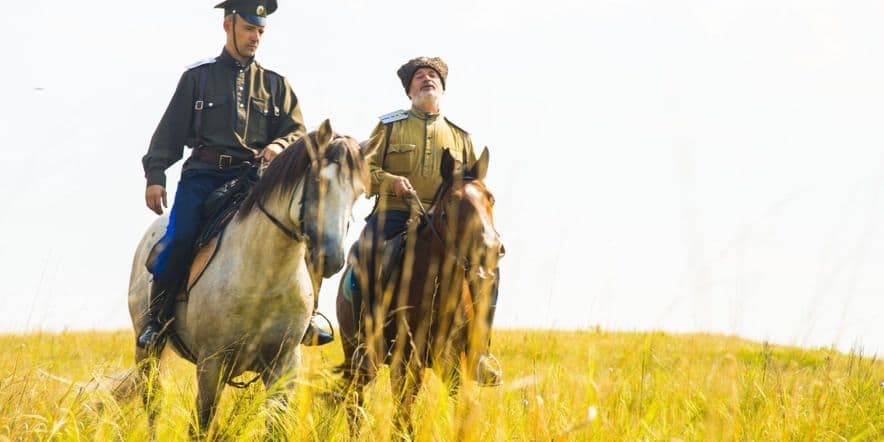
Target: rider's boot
151, 334
489, 373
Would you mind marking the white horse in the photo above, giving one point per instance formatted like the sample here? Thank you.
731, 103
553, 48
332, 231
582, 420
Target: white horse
250, 308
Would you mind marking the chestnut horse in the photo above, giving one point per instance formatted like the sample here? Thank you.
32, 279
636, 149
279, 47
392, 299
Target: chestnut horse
426, 315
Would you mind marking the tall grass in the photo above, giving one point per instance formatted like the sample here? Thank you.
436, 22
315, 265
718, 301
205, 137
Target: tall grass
589, 385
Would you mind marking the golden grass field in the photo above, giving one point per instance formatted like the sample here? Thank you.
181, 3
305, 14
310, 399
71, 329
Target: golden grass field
588, 385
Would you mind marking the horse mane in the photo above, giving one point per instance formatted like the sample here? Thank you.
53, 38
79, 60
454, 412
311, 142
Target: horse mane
282, 173
294, 162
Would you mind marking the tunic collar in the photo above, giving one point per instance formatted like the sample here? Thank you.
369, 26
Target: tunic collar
228, 59
427, 116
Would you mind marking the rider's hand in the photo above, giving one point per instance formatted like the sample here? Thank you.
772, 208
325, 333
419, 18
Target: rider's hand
155, 197
270, 152
401, 186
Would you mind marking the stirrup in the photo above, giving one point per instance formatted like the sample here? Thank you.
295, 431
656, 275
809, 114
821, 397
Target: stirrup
488, 371
315, 335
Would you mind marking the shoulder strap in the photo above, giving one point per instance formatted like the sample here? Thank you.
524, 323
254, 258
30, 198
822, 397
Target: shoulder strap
274, 89
273, 80
387, 132
198, 105
388, 129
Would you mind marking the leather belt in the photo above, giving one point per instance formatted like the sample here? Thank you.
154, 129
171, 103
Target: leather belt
214, 156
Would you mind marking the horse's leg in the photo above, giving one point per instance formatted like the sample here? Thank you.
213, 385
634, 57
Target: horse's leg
360, 373
148, 383
348, 328
405, 380
454, 380
360, 364
361, 370
279, 382
209, 383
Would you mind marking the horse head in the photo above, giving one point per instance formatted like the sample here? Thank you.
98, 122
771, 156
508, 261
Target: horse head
335, 180
316, 181
464, 208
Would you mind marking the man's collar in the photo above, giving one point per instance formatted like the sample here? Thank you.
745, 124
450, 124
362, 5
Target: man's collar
228, 59
425, 115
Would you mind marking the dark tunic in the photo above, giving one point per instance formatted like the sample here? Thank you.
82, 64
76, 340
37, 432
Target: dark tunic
239, 116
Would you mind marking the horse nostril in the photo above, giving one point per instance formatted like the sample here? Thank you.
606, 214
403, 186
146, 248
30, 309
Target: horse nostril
502, 251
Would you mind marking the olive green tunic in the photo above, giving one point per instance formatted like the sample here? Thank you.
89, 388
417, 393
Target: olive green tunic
237, 113
415, 152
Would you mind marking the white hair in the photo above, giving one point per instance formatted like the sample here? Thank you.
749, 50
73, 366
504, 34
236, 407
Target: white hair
421, 98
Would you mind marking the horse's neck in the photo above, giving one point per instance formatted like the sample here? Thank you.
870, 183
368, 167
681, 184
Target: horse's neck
260, 244
433, 259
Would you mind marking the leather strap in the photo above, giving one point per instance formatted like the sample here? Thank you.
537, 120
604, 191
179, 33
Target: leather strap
200, 103
295, 236
215, 156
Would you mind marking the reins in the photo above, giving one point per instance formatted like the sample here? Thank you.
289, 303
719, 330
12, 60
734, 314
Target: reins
412, 196
297, 236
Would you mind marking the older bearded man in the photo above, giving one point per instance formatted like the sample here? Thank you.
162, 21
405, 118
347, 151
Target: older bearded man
409, 163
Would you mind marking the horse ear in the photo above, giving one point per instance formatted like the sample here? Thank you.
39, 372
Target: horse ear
480, 169
448, 165
324, 134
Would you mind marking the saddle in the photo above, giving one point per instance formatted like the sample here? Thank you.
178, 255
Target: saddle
218, 209
391, 259
387, 268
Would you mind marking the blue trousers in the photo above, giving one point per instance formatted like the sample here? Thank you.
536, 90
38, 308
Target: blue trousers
185, 221
388, 223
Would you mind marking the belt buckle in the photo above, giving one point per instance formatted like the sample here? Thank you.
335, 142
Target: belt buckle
224, 161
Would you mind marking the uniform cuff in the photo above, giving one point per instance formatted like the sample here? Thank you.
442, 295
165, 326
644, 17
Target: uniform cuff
156, 177
279, 142
386, 182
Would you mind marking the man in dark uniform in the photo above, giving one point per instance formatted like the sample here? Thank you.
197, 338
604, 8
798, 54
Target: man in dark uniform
231, 111
412, 143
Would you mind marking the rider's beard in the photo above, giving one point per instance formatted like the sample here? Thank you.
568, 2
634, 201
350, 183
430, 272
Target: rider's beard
427, 98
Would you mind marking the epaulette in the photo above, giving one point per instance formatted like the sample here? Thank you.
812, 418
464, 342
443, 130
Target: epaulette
201, 62
456, 126
394, 116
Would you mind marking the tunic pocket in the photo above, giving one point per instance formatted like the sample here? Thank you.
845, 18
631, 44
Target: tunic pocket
259, 122
400, 158
215, 115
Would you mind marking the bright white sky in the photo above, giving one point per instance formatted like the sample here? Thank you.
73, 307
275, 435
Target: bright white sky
684, 165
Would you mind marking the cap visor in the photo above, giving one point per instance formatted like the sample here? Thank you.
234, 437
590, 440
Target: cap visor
256, 20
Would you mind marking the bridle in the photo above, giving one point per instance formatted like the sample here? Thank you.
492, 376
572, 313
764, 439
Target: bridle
297, 234
462, 260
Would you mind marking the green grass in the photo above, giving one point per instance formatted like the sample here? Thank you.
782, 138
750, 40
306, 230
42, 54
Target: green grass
589, 385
